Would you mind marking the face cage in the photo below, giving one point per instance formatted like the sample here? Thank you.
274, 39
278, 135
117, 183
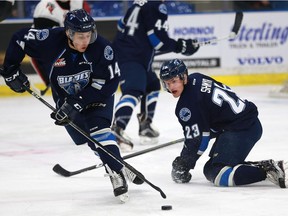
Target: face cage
92, 39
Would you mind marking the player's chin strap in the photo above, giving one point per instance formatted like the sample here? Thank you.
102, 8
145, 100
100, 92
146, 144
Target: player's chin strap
87, 136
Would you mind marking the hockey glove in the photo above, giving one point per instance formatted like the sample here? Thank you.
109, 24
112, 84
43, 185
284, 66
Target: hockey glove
63, 122
71, 107
186, 47
180, 171
14, 78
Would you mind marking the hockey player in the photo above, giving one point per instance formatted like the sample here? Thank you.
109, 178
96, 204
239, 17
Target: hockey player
142, 32
84, 76
6, 9
51, 14
208, 109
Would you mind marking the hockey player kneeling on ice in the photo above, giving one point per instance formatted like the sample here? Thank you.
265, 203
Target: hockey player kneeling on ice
208, 109
84, 76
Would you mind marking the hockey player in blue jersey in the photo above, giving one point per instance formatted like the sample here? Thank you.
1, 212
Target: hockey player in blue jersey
84, 76
142, 32
208, 109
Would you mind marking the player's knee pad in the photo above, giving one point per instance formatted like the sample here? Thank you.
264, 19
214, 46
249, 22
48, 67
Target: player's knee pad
152, 97
225, 176
104, 136
212, 171
108, 141
127, 100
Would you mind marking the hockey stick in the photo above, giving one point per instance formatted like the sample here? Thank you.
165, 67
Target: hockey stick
63, 172
43, 92
232, 35
87, 136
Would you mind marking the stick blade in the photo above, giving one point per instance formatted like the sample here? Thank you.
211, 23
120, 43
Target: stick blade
61, 171
237, 22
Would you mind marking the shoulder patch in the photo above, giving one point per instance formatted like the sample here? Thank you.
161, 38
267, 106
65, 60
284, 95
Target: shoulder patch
185, 114
163, 8
108, 53
42, 34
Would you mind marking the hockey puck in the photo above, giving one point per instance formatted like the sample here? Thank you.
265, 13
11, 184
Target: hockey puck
166, 207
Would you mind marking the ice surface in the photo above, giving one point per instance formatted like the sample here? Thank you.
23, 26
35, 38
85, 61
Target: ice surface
30, 145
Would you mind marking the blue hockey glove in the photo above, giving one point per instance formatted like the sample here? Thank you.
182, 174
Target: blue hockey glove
14, 78
186, 47
180, 171
70, 108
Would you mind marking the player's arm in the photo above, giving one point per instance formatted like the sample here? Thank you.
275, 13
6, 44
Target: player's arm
22, 42
25, 41
191, 152
158, 35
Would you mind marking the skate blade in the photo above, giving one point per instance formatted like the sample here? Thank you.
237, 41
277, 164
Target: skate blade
125, 147
124, 197
148, 140
283, 181
278, 94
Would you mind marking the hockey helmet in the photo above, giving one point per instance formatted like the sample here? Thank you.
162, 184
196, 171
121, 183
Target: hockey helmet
80, 21
171, 69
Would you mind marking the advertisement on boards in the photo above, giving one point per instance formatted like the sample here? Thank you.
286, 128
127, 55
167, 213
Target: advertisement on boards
260, 46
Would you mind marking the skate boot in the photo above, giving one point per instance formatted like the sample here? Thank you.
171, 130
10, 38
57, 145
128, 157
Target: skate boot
147, 133
281, 92
132, 177
119, 184
275, 171
122, 139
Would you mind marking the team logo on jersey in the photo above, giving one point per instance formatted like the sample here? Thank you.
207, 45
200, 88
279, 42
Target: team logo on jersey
60, 62
73, 84
163, 8
50, 7
42, 34
185, 114
108, 53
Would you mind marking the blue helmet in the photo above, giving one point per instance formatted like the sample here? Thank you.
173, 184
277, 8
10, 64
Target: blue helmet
171, 69
80, 21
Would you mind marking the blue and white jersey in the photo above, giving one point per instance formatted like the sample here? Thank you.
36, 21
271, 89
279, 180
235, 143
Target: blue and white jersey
92, 75
142, 31
207, 107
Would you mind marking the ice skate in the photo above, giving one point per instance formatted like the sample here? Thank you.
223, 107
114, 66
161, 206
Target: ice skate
132, 177
122, 139
119, 184
147, 133
281, 92
276, 172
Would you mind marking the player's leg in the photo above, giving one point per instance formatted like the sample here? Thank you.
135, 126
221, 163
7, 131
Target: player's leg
132, 84
147, 132
97, 122
227, 166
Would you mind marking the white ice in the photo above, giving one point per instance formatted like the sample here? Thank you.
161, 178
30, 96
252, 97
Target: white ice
30, 145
